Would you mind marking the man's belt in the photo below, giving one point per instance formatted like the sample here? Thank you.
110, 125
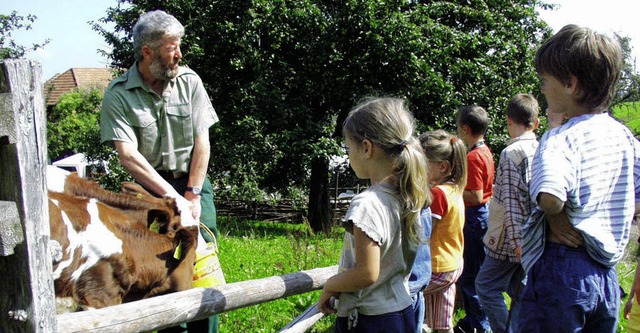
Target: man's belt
170, 175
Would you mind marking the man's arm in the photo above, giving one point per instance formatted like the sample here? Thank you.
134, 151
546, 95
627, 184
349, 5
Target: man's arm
562, 231
141, 170
198, 170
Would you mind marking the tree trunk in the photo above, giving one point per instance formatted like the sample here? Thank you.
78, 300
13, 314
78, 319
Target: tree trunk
319, 208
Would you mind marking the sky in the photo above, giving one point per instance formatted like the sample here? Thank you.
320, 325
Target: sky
74, 44
607, 17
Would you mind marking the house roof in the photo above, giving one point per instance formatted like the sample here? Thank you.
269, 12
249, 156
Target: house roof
88, 78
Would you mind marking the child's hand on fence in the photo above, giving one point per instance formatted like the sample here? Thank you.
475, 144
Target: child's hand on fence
327, 301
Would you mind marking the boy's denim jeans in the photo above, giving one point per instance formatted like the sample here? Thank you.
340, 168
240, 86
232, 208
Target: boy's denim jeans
495, 277
475, 226
567, 291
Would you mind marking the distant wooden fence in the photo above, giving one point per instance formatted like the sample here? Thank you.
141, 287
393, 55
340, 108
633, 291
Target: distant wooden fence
26, 284
284, 210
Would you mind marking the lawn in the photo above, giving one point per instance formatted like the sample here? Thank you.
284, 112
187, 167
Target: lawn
253, 250
626, 270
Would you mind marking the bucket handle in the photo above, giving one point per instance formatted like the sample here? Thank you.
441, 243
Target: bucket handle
208, 231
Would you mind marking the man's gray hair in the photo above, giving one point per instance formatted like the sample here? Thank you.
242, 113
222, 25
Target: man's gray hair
152, 27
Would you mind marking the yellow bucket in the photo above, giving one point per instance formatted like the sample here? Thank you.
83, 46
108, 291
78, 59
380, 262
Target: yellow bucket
207, 271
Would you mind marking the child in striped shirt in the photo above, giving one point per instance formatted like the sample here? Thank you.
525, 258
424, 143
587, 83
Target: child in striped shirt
586, 184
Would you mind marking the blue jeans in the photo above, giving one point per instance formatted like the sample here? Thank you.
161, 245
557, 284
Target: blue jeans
475, 226
393, 322
418, 310
567, 291
495, 277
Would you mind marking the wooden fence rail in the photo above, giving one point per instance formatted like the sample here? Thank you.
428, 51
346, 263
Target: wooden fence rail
304, 321
169, 310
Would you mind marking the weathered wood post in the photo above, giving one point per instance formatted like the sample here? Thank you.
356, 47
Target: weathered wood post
27, 297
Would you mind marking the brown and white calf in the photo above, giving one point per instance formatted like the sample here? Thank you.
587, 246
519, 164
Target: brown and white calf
109, 254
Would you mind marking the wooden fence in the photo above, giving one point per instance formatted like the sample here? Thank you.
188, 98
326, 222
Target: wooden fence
285, 210
26, 301
27, 297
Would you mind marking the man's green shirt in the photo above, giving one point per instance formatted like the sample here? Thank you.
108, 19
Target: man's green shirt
163, 128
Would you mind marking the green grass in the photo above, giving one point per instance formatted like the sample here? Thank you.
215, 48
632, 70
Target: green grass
626, 270
254, 250
629, 114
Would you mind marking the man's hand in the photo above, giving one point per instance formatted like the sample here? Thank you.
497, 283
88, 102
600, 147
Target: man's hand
194, 199
186, 209
519, 252
562, 231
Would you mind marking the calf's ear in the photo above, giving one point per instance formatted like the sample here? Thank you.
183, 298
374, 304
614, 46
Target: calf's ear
161, 219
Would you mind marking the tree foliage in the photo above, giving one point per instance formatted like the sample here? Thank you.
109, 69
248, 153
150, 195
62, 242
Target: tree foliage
12, 22
71, 124
628, 89
283, 74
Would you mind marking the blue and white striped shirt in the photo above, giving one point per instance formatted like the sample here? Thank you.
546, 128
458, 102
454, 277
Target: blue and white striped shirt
592, 164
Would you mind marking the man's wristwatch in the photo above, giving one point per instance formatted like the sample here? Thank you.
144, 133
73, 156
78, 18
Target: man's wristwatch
196, 190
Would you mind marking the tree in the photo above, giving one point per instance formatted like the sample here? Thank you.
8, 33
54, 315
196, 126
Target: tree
8, 47
628, 89
72, 123
283, 74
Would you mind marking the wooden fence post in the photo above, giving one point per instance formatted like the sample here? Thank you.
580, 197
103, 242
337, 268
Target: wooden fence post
27, 296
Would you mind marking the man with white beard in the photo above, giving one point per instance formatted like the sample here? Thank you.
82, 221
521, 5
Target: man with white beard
157, 115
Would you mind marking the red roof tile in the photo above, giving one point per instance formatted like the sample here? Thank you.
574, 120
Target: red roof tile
89, 78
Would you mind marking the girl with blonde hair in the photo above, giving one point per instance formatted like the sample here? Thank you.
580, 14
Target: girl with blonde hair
382, 225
